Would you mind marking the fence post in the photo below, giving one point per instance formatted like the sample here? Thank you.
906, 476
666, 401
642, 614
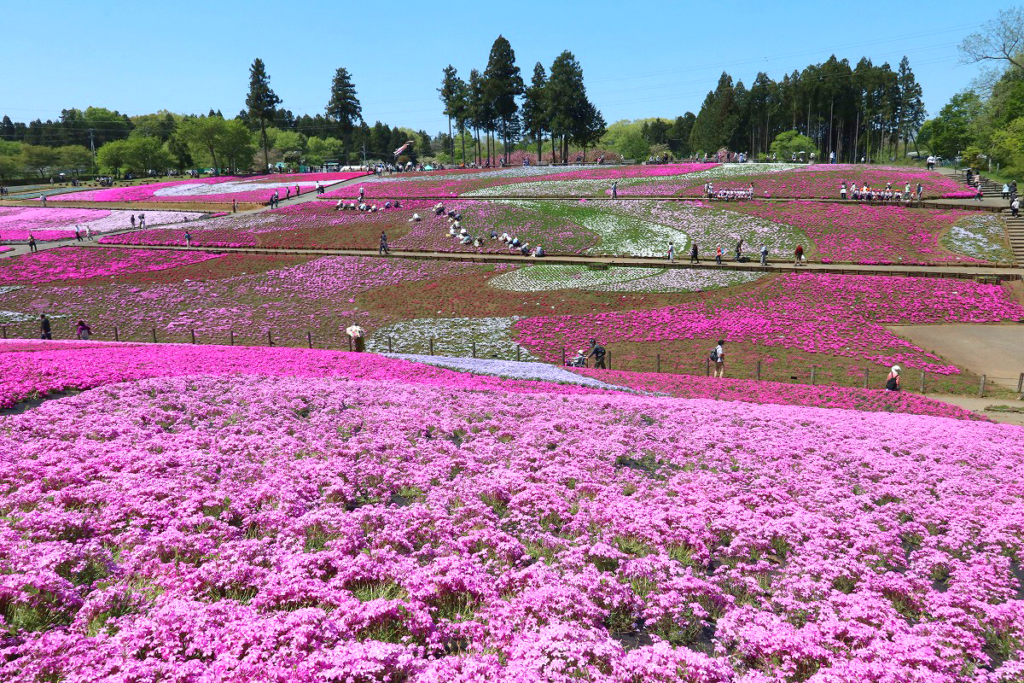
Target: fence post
116, 337
519, 356
814, 373
193, 336
707, 371
563, 356
270, 339
925, 372
154, 334
658, 365
758, 371
609, 360
5, 337
431, 346
981, 387
232, 337
309, 339
349, 342
1020, 383
389, 345
473, 347
866, 380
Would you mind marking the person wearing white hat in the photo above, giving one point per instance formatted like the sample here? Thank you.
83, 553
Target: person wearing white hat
892, 382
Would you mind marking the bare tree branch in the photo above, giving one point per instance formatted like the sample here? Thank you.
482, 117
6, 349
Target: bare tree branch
1000, 40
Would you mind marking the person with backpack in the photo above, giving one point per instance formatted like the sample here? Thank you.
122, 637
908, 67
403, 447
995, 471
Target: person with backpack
598, 353
718, 358
892, 381
798, 254
718, 256
44, 327
764, 255
694, 254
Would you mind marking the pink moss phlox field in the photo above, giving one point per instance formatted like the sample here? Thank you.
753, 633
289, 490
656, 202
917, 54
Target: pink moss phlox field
870, 234
150, 192
823, 181
235, 528
55, 223
71, 263
34, 368
838, 315
445, 187
751, 391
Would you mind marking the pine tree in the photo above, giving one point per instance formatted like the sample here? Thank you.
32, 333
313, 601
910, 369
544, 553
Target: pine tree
503, 83
262, 103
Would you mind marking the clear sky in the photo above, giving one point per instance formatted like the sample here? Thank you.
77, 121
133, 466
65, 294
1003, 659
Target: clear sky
640, 58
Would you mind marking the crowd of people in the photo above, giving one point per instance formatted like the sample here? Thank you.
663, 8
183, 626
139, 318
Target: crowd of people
728, 194
458, 232
888, 195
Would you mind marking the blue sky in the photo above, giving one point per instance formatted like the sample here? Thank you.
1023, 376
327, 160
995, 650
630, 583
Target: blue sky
639, 58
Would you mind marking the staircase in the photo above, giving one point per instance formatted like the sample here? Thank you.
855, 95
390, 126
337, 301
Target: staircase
1015, 231
990, 189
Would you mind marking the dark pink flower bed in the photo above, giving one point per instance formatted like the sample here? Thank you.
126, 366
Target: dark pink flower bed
861, 233
779, 393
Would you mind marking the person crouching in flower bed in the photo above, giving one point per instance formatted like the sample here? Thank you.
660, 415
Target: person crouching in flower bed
892, 381
358, 337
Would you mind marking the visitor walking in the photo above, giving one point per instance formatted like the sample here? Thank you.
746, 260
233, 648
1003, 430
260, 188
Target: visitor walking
671, 253
1015, 206
1006, 190
598, 352
892, 381
188, 239
739, 250
694, 256
798, 255
133, 220
78, 234
142, 220
920, 191
764, 255
32, 246
842, 191
234, 206
44, 327
383, 244
362, 192
83, 331
718, 256
357, 337
88, 234
718, 358
615, 190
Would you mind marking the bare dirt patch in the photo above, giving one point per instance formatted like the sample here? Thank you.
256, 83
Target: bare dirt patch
996, 351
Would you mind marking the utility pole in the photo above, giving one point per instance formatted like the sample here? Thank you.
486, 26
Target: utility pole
92, 145
364, 154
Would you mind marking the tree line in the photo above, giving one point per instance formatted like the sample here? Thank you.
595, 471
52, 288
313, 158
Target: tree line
500, 105
865, 111
261, 135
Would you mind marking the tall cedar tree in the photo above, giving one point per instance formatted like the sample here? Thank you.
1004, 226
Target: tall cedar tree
450, 96
566, 101
344, 109
502, 84
535, 106
481, 113
262, 103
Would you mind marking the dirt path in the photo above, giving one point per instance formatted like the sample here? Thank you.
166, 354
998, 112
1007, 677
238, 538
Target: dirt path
979, 405
996, 351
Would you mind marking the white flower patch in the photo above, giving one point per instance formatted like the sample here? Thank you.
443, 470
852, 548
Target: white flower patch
452, 336
546, 278
12, 317
543, 278
714, 227
510, 370
726, 171
547, 188
980, 237
683, 280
